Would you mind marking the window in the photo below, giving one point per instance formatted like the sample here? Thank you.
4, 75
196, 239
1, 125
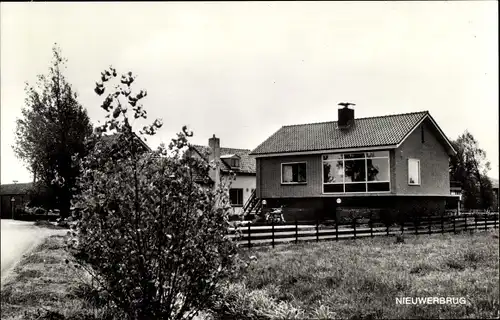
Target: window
356, 172
413, 172
235, 163
293, 172
236, 197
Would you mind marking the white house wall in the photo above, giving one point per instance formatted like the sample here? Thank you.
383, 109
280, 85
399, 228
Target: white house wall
247, 183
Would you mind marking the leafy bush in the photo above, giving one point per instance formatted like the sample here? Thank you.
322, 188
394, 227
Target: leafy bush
239, 302
152, 237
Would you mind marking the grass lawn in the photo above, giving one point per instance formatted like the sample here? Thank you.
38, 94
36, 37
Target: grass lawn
362, 278
43, 286
348, 279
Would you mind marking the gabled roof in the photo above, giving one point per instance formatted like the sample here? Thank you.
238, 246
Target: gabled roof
382, 131
247, 162
111, 138
229, 156
15, 188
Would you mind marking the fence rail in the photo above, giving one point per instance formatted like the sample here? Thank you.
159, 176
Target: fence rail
294, 232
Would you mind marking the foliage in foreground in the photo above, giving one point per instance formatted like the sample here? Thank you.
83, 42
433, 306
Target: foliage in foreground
154, 239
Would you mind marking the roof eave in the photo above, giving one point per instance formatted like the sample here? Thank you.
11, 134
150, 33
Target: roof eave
313, 152
449, 147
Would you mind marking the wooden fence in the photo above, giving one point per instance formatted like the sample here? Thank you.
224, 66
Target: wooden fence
273, 234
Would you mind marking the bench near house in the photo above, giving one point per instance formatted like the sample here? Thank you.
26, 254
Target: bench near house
230, 159
398, 163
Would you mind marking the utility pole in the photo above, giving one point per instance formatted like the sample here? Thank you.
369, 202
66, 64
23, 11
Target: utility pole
13, 201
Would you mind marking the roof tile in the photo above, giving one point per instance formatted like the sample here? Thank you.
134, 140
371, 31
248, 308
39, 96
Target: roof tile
247, 162
365, 132
15, 188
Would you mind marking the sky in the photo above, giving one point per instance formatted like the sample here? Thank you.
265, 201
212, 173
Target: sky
241, 70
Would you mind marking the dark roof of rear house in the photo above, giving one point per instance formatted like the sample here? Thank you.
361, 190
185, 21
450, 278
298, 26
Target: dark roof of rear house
365, 132
111, 138
247, 162
15, 188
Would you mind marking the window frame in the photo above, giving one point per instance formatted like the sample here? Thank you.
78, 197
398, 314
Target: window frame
234, 162
418, 183
292, 163
236, 204
343, 159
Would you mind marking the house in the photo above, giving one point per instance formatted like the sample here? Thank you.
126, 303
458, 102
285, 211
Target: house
456, 190
494, 184
395, 163
110, 142
13, 196
227, 160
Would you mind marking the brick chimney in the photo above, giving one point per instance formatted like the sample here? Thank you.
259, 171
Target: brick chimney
214, 144
345, 115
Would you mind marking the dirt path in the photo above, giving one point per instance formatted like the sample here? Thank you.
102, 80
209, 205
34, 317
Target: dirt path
17, 239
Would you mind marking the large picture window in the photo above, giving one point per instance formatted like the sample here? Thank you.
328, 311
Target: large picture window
293, 172
356, 172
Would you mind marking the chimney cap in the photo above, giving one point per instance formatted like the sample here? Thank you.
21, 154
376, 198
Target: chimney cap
346, 104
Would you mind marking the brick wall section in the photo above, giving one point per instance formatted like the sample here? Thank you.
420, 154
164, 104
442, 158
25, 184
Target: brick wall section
391, 206
245, 182
392, 170
269, 173
434, 164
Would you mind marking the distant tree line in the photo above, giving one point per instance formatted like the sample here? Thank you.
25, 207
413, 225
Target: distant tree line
470, 167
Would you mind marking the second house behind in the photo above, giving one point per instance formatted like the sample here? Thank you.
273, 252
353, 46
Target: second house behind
231, 159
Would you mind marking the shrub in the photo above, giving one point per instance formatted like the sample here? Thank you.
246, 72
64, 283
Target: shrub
153, 238
238, 302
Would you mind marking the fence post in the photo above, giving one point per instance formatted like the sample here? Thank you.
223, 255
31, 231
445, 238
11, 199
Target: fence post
336, 228
475, 219
249, 241
442, 223
371, 227
429, 222
454, 225
354, 220
272, 231
494, 221
387, 227
296, 231
402, 222
465, 222
415, 225
317, 232
485, 221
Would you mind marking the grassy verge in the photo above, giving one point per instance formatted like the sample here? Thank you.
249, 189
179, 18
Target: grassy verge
349, 279
362, 279
43, 286
47, 224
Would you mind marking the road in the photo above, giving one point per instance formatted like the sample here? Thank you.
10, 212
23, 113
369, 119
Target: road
18, 238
